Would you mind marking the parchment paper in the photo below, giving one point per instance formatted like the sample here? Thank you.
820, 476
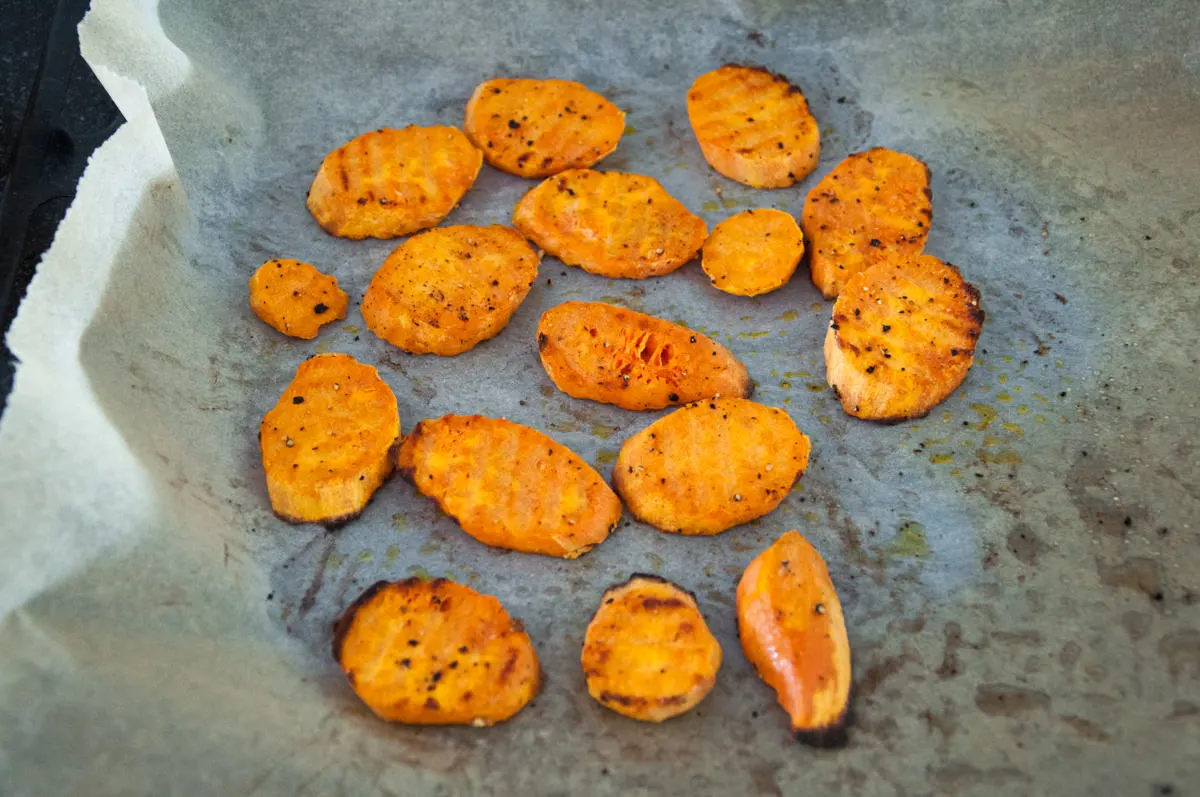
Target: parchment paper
1019, 570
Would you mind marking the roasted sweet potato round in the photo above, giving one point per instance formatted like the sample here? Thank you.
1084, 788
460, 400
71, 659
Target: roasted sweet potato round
295, 298
435, 653
648, 654
753, 253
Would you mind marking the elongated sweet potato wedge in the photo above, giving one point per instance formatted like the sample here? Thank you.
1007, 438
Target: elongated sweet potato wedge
609, 223
435, 653
449, 289
754, 252
295, 298
389, 183
902, 338
792, 630
536, 128
648, 654
710, 466
754, 126
330, 442
873, 205
510, 486
606, 353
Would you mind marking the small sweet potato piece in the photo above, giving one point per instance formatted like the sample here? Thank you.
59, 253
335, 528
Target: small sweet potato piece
648, 654
902, 338
710, 466
330, 442
510, 486
605, 353
873, 205
609, 223
536, 128
753, 253
389, 183
435, 653
754, 126
295, 298
791, 627
449, 289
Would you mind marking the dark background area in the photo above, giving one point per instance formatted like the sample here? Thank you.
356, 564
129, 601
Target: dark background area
53, 114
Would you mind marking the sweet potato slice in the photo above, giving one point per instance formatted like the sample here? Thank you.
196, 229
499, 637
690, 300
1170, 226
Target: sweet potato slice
710, 466
295, 298
753, 253
902, 338
605, 353
510, 486
791, 627
609, 223
648, 654
449, 289
330, 442
536, 128
389, 183
754, 126
435, 653
873, 205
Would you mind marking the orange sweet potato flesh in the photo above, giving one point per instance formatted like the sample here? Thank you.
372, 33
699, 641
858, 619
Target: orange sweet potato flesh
753, 253
435, 653
710, 466
536, 128
601, 352
792, 630
389, 183
754, 126
510, 486
647, 653
617, 225
446, 290
330, 442
902, 338
295, 298
873, 205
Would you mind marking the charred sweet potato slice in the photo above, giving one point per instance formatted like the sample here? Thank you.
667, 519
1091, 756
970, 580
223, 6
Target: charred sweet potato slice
791, 627
605, 353
536, 128
754, 126
753, 253
902, 338
609, 223
648, 654
330, 442
389, 183
295, 298
710, 466
449, 289
873, 205
510, 486
435, 653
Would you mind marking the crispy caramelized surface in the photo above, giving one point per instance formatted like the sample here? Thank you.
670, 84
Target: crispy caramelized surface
610, 223
792, 630
902, 338
648, 654
754, 252
447, 290
872, 206
330, 441
435, 653
754, 126
710, 466
388, 183
536, 128
510, 486
295, 298
606, 353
